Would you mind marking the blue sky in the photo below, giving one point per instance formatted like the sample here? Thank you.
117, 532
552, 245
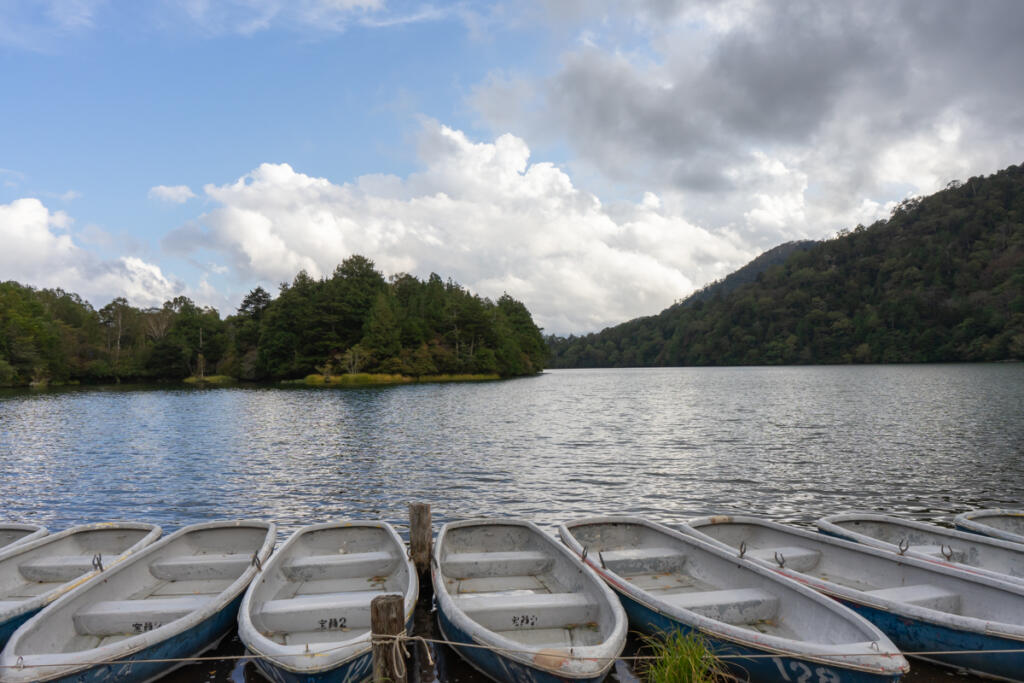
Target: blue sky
597, 160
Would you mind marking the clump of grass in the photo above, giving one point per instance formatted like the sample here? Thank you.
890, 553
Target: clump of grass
680, 658
459, 378
360, 378
355, 379
365, 378
210, 379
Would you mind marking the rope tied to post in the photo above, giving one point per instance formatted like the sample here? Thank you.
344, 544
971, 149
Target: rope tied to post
399, 652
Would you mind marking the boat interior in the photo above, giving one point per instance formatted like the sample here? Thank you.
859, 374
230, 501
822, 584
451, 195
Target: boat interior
510, 581
878, 576
166, 585
321, 590
682, 576
63, 558
975, 551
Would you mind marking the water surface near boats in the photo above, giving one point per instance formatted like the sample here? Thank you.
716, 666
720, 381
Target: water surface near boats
792, 444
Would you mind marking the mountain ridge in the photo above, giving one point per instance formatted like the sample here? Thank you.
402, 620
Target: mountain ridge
942, 279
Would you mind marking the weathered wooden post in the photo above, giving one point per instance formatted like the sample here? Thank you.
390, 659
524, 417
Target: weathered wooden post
385, 619
421, 536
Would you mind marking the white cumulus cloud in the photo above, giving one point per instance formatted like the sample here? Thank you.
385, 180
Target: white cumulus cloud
178, 194
480, 213
38, 251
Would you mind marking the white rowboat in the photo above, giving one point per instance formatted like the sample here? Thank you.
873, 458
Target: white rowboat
771, 628
307, 617
170, 601
539, 613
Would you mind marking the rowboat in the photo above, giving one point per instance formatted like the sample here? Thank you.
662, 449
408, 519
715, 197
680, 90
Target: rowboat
930, 611
670, 582
35, 573
520, 606
169, 601
12, 533
307, 617
1000, 560
1007, 525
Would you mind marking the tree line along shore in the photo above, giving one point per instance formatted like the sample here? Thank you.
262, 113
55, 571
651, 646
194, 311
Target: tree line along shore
353, 327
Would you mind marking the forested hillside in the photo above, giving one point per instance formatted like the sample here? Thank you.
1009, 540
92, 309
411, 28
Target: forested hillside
352, 321
941, 280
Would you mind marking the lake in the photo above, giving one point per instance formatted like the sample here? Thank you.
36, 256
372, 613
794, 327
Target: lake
789, 443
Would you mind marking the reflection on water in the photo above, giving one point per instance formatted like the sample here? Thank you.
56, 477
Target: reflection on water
789, 443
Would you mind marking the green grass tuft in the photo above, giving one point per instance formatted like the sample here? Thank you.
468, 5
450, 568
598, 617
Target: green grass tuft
680, 658
210, 380
358, 379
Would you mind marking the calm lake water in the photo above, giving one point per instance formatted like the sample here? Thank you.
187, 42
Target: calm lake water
792, 444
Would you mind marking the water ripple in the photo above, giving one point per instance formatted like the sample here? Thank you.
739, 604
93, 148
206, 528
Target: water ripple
787, 443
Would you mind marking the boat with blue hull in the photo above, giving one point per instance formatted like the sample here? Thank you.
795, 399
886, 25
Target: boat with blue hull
12, 533
930, 611
173, 600
1007, 525
34, 574
998, 559
765, 627
521, 606
306, 619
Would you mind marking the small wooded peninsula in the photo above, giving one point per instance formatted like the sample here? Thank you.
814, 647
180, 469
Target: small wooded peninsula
352, 322
941, 280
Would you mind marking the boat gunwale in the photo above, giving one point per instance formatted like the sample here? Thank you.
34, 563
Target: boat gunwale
141, 641
607, 651
947, 619
971, 521
830, 526
35, 532
339, 653
838, 654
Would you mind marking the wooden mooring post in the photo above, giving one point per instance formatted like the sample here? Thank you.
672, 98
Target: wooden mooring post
421, 536
386, 618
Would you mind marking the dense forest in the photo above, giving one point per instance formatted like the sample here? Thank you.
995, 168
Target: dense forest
352, 321
941, 280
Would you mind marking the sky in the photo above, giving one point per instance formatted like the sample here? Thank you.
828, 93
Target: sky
596, 159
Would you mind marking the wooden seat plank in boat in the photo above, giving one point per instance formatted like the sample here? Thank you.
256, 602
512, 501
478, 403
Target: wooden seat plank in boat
921, 595
529, 611
347, 566
208, 566
732, 606
56, 569
628, 561
305, 612
504, 563
115, 617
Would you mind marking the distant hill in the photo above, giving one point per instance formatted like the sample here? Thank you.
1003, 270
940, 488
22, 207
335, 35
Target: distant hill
748, 273
941, 280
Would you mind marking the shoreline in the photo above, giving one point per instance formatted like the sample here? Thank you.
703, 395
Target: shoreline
372, 379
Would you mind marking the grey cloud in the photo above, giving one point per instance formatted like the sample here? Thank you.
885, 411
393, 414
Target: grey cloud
780, 78
863, 100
